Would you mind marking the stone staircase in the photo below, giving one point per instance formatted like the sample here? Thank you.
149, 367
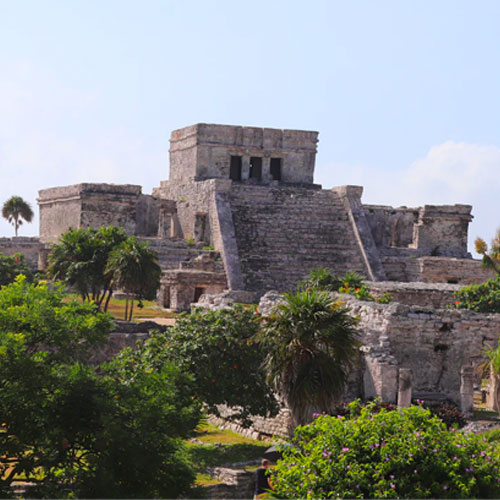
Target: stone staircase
282, 233
172, 252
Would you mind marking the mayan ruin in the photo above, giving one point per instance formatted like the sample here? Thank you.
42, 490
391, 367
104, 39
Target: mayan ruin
241, 216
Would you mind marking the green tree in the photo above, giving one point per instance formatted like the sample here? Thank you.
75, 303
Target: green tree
491, 256
404, 453
11, 267
80, 259
134, 268
15, 210
218, 349
310, 345
76, 430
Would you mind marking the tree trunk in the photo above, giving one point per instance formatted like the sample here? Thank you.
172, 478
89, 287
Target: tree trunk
494, 392
131, 308
108, 298
126, 306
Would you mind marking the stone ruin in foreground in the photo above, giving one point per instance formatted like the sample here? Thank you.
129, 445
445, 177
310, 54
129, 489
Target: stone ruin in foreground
240, 213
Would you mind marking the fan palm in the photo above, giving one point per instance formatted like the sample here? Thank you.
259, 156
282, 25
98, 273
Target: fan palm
311, 345
134, 268
15, 210
491, 258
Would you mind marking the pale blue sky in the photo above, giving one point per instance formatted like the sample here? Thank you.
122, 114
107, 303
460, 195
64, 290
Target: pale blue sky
404, 94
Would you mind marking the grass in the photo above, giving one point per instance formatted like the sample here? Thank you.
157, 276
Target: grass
221, 448
150, 310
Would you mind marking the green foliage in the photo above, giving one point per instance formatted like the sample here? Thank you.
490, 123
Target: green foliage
385, 298
361, 293
217, 348
134, 268
190, 241
310, 345
351, 283
386, 454
491, 256
70, 429
13, 266
80, 258
482, 297
322, 279
208, 247
15, 210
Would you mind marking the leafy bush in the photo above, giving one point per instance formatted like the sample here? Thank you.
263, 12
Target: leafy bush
482, 297
385, 298
361, 292
217, 348
449, 414
406, 453
322, 279
74, 430
11, 267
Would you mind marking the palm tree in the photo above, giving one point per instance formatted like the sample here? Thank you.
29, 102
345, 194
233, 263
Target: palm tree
80, 258
491, 258
15, 210
311, 345
134, 267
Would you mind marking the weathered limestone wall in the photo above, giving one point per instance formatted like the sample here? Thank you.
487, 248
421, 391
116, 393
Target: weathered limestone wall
29, 246
85, 205
442, 230
451, 270
391, 227
433, 295
203, 151
434, 344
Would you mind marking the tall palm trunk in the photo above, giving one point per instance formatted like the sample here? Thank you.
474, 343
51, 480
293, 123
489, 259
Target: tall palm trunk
126, 307
131, 308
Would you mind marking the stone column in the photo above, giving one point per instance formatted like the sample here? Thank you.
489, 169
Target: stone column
405, 387
467, 390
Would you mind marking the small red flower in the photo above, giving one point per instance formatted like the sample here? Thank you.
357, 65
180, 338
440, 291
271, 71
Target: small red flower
15, 260
213, 380
457, 302
489, 303
235, 367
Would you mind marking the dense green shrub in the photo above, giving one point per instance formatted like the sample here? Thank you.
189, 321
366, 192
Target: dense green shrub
218, 349
406, 453
351, 283
74, 430
11, 267
322, 279
482, 297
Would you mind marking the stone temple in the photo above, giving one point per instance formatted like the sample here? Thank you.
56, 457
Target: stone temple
240, 215
240, 212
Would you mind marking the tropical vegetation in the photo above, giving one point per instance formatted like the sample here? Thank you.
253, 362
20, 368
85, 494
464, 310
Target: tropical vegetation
12, 266
351, 283
16, 210
480, 297
380, 453
75, 429
95, 262
491, 256
310, 345
218, 349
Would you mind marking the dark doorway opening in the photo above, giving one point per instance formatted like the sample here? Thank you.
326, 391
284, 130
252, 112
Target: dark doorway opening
235, 168
255, 168
198, 292
276, 169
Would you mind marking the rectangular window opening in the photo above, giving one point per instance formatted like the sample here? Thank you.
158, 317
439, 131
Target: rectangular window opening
276, 169
255, 168
235, 168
